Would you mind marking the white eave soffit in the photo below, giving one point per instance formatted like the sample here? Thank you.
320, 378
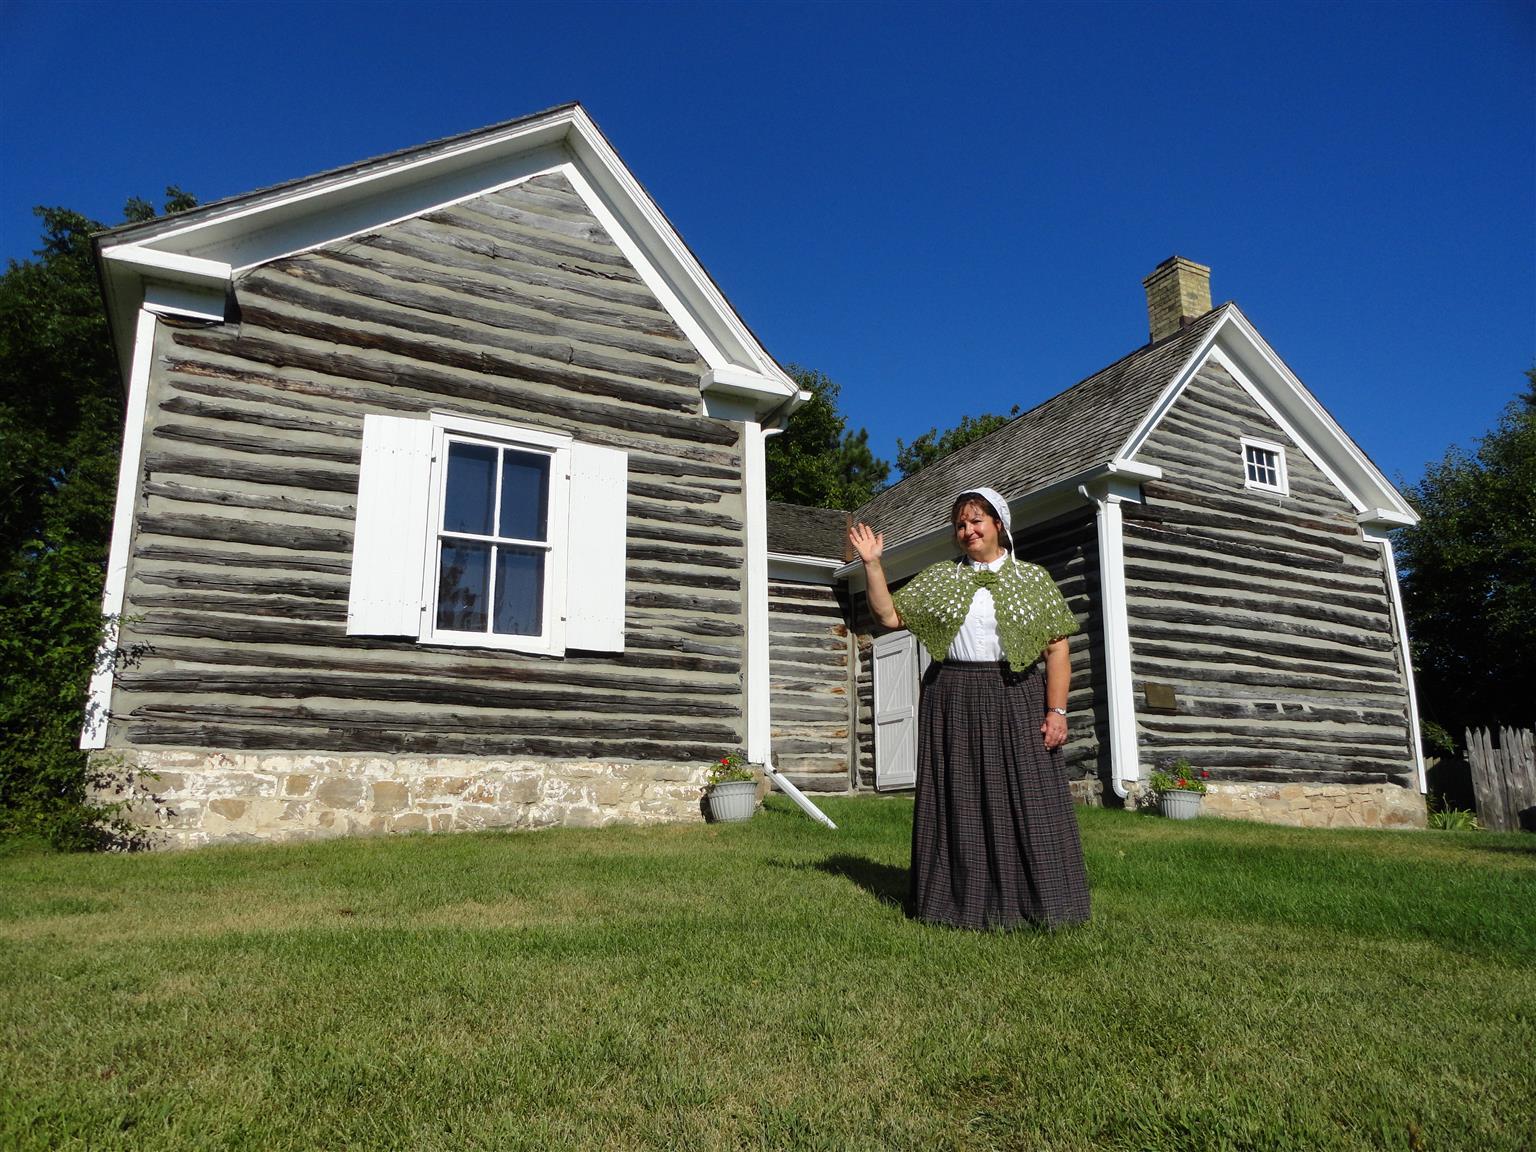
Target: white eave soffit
298, 217
1235, 343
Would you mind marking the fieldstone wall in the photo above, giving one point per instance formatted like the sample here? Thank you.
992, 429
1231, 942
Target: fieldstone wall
1319, 805
228, 797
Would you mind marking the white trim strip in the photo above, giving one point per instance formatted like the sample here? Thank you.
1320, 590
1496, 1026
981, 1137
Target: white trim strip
754, 492
1120, 684
99, 697
1400, 625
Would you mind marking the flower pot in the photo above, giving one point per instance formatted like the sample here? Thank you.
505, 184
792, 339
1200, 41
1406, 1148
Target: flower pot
733, 800
1180, 803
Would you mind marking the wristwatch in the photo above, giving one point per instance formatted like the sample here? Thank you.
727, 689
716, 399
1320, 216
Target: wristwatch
1058, 711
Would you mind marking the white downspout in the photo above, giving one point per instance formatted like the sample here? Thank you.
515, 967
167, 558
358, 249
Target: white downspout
754, 485
1124, 754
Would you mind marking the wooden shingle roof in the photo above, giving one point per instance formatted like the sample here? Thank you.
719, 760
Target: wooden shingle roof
1076, 429
795, 530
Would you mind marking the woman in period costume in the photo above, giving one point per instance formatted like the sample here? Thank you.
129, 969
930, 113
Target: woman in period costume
994, 834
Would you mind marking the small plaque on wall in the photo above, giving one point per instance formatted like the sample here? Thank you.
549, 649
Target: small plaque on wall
1160, 698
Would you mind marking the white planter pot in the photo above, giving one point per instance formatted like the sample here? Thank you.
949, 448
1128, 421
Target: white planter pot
733, 800
1180, 804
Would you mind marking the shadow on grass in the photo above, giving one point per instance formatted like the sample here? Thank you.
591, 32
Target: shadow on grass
886, 882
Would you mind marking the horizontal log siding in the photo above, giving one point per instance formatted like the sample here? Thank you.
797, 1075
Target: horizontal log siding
1267, 614
810, 658
1068, 549
516, 308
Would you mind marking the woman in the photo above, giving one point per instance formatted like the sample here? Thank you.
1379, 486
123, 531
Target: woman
994, 835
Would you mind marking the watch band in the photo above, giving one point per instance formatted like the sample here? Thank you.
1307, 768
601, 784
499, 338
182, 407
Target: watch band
1058, 711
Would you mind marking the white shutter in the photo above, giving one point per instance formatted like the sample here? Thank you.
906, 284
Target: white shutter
896, 674
390, 536
595, 549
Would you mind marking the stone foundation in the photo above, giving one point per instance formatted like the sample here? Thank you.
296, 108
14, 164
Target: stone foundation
1319, 805
227, 797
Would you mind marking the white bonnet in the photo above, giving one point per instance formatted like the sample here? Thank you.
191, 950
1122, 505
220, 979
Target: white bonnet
993, 497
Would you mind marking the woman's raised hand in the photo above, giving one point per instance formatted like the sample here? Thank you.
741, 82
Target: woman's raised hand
868, 543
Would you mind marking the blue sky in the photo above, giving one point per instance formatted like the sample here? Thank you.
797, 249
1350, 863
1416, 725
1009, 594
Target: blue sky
948, 208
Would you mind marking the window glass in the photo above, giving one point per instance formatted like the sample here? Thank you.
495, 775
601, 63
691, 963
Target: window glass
470, 495
1263, 467
519, 591
463, 580
524, 496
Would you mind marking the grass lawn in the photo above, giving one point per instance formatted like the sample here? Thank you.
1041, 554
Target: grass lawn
757, 986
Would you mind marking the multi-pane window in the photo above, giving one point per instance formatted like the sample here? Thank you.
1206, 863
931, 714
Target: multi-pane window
493, 545
1264, 466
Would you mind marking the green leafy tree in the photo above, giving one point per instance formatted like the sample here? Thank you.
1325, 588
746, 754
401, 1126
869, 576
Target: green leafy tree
816, 461
1469, 578
61, 411
932, 445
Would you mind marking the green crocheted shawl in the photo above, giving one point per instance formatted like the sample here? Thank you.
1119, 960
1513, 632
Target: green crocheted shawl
1030, 609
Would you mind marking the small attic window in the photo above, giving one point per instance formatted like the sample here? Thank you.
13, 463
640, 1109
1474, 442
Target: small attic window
1264, 466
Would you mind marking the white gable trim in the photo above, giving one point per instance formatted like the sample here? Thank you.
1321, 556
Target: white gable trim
1236, 346
304, 215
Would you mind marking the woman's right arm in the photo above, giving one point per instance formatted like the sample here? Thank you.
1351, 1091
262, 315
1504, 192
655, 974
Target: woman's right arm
870, 544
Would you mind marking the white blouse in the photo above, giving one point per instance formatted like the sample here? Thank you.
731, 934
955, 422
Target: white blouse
978, 638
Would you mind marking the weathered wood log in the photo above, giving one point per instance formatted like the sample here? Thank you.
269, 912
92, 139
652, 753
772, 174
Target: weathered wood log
213, 734
510, 312
588, 312
233, 498
472, 384
683, 578
287, 536
251, 472
202, 555
360, 690
1247, 623
228, 441
347, 430
295, 587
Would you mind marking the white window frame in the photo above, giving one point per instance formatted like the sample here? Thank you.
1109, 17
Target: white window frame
551, 636
402, 471
1282, 483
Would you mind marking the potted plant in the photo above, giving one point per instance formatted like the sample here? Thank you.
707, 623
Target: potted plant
1179, 787
732, 791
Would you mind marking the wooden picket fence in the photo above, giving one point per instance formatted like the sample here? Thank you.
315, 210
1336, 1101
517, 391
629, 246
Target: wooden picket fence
1504, 778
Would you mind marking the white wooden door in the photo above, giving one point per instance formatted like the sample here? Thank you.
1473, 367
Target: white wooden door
897, 670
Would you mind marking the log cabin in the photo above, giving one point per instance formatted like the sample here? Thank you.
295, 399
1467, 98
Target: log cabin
441, 502
1226, 548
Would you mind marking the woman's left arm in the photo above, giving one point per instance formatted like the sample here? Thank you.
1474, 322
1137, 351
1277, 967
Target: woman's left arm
1058, 679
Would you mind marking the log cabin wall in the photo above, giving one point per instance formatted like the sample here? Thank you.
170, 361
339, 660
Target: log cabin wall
515, 307
812, 663
1268, 616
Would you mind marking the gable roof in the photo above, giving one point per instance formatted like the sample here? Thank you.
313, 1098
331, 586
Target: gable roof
185, 263
1082, 437
1056, 439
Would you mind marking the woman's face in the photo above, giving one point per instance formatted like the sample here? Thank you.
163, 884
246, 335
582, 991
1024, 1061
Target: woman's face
977, 534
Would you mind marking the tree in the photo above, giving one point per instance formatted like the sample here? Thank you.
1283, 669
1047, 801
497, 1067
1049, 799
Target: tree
61, 411
931, 445
816, 461
1469, 577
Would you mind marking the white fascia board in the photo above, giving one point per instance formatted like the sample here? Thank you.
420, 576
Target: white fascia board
1117, 480
1386, 519
802, 569
729, 338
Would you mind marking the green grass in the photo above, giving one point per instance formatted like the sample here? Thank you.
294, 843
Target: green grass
757, 986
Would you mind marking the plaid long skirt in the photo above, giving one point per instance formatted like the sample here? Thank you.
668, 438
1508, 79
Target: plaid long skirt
994, 835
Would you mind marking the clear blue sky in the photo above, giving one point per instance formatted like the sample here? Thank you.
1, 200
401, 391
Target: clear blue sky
948, 208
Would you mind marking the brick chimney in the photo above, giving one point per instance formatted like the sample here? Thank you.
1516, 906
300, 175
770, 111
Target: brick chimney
1178, 291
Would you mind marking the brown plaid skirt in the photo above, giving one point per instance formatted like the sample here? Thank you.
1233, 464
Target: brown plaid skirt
994, 835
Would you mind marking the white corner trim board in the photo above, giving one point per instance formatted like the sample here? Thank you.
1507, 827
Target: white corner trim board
1400, 626
99, 696
1120, 683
